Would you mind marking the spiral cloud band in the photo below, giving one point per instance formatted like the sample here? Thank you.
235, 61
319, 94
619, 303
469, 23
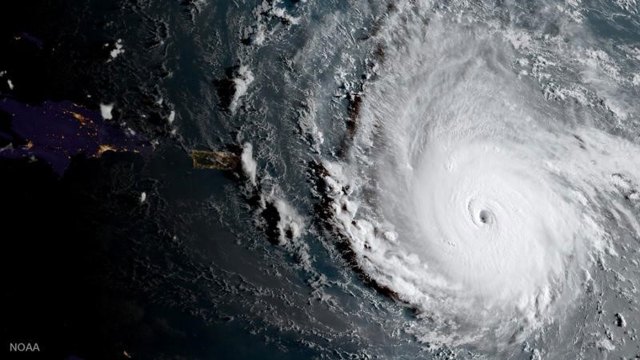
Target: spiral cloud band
470, 195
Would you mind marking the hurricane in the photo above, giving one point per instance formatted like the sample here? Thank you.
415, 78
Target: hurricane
471, 170
484, 208
487, 170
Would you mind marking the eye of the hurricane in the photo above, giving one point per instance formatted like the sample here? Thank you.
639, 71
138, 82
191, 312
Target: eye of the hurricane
485, 217
481, 215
